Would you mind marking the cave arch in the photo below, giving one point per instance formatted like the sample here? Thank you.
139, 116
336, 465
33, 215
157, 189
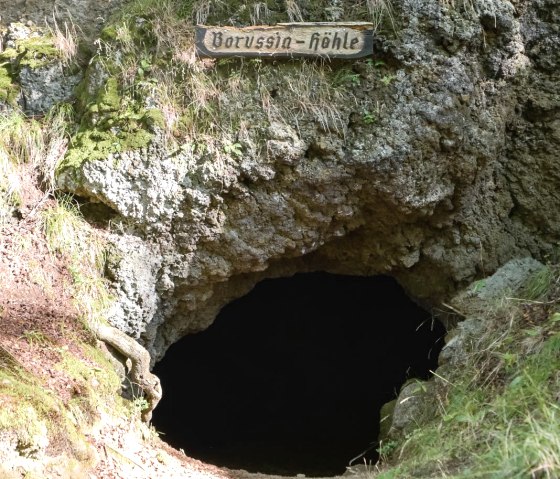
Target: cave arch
290, 378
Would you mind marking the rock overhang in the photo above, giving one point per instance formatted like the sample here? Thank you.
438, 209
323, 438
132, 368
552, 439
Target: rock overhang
402, 167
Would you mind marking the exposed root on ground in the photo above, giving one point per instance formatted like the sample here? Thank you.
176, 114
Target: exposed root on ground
140, 360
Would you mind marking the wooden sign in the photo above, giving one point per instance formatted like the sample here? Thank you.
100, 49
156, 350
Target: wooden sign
328, 40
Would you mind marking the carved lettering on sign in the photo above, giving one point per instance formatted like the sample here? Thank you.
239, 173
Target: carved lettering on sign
329, 40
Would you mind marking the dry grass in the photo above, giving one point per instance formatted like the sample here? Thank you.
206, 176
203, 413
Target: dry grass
260, 13
315, 95
293, 11
202, 102
39, 144
380, 11
467, 5
65, 39
201, 10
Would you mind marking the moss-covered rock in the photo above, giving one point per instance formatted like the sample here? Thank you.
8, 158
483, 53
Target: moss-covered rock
37, 52
9, 92
93, 144
34, 63
111, 123
109, 99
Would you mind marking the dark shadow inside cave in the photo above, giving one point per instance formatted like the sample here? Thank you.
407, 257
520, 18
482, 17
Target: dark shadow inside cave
290, 378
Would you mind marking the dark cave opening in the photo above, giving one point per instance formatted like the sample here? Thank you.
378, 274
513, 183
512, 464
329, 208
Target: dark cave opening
290, 378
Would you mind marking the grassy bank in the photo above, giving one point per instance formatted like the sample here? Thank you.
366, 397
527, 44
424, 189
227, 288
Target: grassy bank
498, 409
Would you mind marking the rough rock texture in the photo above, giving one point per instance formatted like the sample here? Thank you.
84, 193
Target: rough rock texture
507, 281
410, 409
44, 87
436, 171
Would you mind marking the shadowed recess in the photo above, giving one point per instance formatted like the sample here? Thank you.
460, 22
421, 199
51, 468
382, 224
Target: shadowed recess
290, 378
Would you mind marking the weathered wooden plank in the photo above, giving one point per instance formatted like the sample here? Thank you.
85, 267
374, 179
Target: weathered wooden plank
328, 40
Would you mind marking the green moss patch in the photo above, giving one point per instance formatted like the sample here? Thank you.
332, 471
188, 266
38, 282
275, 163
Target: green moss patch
34, 52
9, 92
95, 144
37, 52
110, 124
109, 99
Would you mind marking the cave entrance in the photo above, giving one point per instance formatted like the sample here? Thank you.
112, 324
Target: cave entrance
290, 378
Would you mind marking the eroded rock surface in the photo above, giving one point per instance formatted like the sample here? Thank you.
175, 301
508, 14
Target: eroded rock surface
436, 168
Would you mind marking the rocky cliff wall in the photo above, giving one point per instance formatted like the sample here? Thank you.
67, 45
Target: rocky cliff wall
435, 162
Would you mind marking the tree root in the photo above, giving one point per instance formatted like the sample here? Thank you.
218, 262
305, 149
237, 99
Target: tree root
140, 360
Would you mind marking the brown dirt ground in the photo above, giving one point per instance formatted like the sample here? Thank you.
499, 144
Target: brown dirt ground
36, 311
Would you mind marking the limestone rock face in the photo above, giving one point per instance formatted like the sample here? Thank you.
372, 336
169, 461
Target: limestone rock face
436, 169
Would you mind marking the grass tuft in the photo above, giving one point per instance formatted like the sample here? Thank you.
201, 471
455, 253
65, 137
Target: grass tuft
499, 414
65, 40
41, 144
70, 235
539, 284
381, 11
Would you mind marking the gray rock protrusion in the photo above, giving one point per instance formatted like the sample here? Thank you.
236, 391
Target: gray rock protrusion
44, 87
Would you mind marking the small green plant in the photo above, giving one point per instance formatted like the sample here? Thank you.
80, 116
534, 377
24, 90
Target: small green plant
386, 448
233, 149
371, 63
345, 77
478, 286
369, 118
388, 79
144, 67
138, 405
